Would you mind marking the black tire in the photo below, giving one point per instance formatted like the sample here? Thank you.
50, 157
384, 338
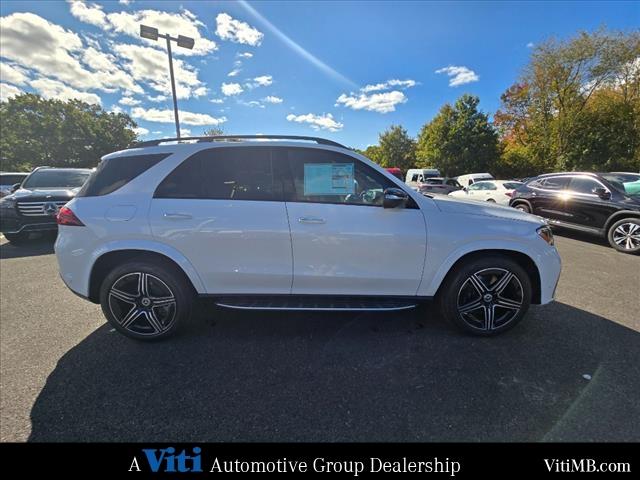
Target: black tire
523, 207
130, 310
624, 235
17, 238
491, 316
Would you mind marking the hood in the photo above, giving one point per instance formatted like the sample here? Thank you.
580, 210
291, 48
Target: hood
452, 205
45, 193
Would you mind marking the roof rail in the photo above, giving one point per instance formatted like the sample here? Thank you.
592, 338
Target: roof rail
216, 138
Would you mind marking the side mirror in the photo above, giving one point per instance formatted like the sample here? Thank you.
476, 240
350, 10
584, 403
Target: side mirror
602, 193
394, 197
464, 189
15, 187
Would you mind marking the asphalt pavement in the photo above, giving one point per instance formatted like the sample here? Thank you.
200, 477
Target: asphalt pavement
569, 372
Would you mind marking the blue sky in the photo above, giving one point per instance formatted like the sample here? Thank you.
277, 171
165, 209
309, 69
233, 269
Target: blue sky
343, 70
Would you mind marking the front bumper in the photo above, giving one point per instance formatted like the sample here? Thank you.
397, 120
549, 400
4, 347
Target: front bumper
16, 224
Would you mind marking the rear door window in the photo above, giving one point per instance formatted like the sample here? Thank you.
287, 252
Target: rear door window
116, 172
555, 183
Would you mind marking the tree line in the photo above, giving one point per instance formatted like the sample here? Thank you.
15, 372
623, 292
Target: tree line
576, 106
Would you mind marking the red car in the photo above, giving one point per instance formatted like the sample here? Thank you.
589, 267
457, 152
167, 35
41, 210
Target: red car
395, 171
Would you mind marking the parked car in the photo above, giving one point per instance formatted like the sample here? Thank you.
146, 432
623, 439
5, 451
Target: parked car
496, 191
416, 177
395, 171
33, 207
596, 203
440, 185
289, 225
471, 178
9, 181
630, 181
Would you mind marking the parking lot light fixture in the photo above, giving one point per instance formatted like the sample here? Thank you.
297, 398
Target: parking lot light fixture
151, 33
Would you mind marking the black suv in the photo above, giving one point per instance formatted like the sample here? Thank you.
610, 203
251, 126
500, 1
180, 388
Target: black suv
33, 206
596, 203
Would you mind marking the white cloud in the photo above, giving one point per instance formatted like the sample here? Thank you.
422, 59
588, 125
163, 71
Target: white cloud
272, 99
166, 116
217, 100
264, 80
116, 109
252, 103
37, 44
228, 28
231, 89
234, 72
50, 88
185, 132
459, 75
8, 91
317, 122
530, 45
157, 98
244, 55
13, 74
388, 85
125, 2
141, 131
129, 101
149, 65
128, 23
88, 13
378, 102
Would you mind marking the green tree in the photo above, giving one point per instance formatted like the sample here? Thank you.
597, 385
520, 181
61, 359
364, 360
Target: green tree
35, 131
396, 149
459, 139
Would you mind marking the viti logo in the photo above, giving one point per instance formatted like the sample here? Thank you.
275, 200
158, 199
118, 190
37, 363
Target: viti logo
166, 460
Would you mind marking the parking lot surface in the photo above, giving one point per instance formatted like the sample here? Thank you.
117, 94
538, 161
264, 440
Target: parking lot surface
569, 372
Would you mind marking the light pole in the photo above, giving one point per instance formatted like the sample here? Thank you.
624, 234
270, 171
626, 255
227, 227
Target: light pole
185, 42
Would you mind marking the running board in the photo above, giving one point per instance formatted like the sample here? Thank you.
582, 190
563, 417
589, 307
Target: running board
316, 303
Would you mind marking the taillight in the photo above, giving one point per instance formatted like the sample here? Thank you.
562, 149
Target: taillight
67, 217
510, 193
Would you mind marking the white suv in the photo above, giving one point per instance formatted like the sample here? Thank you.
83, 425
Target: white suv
293, 223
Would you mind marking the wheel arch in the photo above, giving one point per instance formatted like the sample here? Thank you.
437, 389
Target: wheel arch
619, 216
524, 260
108, 260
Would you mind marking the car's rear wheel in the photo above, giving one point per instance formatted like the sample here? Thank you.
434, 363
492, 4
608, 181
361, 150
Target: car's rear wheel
17, 238
624, 235
146, 300
486, 296
523, 207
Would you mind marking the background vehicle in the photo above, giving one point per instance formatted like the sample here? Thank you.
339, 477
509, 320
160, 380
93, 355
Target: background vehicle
439, 185
595, 203
496, 191
8, 180
416, 177
395, 171
471, 178
630, 181
33, 207
288, 225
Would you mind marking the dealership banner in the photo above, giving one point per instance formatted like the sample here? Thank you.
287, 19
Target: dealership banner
352, 460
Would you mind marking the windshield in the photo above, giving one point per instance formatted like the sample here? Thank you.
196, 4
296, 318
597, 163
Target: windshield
628, 183
56, 179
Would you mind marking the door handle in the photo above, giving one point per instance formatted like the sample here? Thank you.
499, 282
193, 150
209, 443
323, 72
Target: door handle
177, 216
314, 220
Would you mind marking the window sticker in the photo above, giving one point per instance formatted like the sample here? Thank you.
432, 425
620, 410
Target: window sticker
328, 179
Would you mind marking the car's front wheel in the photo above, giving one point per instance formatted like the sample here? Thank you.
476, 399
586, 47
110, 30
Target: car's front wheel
624, 235
146, 300
486, 296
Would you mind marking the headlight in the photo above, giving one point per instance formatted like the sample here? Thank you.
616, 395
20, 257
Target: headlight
546, 234
7, 203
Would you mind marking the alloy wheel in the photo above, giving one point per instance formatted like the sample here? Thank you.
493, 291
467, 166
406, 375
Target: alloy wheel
142, 303
490, 298
627, 236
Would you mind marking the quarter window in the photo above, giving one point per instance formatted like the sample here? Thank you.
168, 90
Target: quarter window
555, 183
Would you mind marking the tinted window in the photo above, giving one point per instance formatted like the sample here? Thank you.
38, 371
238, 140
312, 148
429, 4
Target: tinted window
54, 178
476, 186
11, 179
511, 185
583, 185
555, 183
322, 176
242, 173
489, 186
453, 183
116, 172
